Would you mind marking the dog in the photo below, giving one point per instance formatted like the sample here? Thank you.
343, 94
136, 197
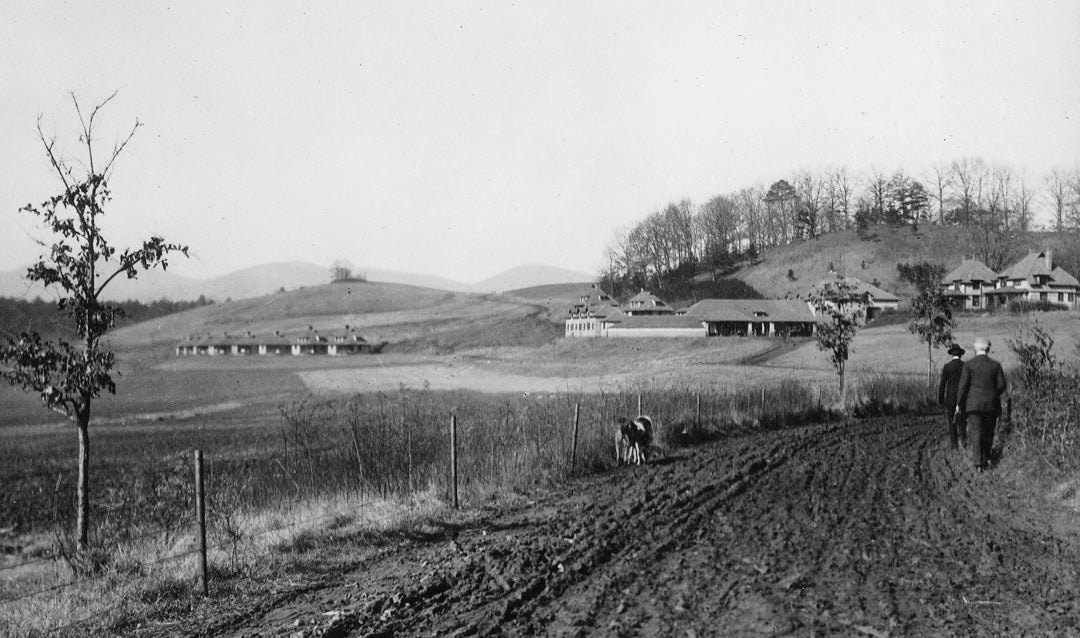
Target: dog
632, 440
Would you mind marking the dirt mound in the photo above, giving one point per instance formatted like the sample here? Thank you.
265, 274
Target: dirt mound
867, 528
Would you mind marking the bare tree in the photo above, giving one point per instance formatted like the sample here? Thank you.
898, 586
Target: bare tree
839, 194
834, 301
876, 186
81, 263
940, 181
931, 315
780, 202
1022, 198
1057, 192
969, 175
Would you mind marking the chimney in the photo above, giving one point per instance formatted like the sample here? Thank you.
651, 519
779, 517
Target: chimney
1049, 259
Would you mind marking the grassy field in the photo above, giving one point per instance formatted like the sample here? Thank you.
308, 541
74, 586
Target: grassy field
280, 432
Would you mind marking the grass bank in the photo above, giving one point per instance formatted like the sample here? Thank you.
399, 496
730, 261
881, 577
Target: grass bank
354, 469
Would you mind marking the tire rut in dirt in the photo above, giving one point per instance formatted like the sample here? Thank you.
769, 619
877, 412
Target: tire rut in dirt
872, 527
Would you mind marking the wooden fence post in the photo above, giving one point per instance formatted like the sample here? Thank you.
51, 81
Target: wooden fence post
453, 458
573, 447
639, 405
697, 412
200, 513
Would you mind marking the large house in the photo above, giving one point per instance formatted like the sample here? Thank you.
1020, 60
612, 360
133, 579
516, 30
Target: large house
966, 286
646, 304
1034, 278
587, 316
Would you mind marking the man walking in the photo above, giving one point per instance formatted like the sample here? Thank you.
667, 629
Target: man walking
950, 382
982, 382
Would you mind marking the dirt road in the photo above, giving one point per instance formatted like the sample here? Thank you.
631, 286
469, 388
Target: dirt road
871, 528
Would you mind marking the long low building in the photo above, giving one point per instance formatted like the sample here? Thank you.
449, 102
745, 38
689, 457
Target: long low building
597, 315
622, 325
754, 317
277, 343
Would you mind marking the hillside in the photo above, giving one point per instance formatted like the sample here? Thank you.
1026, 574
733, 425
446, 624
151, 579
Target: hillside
530, 275
408, 317
877, 257
263, 279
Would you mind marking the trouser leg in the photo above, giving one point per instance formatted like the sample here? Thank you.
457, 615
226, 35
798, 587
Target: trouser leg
961, 428
989, 427
950, 419
976, 435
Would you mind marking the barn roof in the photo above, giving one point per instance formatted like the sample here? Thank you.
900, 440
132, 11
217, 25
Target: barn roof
775, 310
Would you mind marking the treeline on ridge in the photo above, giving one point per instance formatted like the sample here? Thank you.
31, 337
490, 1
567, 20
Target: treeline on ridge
21, 315
994, 204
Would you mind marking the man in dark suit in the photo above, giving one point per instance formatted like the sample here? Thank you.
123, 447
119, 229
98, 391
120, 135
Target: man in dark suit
947, 387
982, 382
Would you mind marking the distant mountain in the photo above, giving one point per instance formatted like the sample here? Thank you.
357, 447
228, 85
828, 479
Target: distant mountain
269, 278
530, 275
413, 279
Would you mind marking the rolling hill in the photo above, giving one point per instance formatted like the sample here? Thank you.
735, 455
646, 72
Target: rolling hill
877, 257
409, 317
269, 278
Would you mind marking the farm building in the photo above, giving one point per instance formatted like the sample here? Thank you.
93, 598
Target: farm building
645, 315
967, 284
753, 317
308, 343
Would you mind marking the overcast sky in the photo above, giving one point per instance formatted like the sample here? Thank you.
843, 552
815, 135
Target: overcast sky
462, 139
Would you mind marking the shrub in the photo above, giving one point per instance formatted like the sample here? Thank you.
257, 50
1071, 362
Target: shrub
1046, 417
1024, 307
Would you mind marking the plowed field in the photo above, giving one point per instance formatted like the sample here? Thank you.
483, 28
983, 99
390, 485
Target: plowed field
869, 528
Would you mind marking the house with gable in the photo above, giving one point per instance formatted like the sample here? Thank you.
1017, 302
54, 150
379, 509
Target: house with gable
645, 304
1034, 278
588, 314
966, 286
865, 298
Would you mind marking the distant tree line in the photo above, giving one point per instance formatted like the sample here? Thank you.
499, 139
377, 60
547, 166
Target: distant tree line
21, 315
993, 202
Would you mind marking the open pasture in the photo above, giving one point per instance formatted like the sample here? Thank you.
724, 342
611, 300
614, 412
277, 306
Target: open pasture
495, 359
895, 350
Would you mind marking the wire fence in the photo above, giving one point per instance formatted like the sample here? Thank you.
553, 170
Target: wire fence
402, 447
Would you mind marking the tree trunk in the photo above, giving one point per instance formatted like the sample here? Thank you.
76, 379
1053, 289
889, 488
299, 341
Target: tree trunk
929, 369
82, 504
843, 402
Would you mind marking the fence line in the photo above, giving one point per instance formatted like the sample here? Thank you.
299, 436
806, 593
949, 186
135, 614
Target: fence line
617, 402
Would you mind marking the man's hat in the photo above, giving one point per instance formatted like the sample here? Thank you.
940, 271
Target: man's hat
956, 351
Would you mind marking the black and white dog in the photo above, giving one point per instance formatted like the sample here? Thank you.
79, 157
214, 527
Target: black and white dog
632, 440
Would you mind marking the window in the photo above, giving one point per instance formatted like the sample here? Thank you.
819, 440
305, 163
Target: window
974, 302
1061, 296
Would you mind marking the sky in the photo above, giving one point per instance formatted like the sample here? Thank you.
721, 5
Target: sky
464, 138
